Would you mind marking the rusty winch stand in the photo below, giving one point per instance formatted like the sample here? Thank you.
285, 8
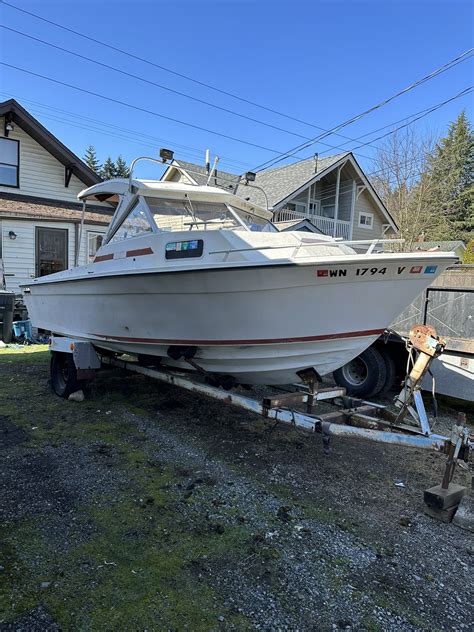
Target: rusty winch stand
442, 500
423, 342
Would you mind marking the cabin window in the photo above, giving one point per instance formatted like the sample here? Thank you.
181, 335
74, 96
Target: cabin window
136, 223
94, 242
9, 162
179, 215
51, 250
366, 220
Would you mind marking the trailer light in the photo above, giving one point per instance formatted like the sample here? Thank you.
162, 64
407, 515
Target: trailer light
12, 234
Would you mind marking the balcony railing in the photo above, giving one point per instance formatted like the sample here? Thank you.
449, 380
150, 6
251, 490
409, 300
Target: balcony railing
329, 226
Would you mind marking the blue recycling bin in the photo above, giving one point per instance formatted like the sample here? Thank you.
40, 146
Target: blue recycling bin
22, 329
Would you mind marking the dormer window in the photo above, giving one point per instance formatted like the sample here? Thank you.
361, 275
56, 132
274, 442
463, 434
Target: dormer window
9, 162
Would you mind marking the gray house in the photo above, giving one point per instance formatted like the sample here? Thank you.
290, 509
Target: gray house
333, 193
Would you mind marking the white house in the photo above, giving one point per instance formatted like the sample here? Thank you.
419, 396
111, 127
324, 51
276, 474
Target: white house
332, 192
39, 211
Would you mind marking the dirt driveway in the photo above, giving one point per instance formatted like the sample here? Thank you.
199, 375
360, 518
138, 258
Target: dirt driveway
143, 509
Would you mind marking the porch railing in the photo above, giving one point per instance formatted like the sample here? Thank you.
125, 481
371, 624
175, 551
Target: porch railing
329, 226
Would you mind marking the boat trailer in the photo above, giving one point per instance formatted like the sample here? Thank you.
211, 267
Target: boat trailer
352, 417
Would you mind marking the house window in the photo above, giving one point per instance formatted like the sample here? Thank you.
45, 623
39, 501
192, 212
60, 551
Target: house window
366, 220
9, 162
51, 250
94, 242
136, 223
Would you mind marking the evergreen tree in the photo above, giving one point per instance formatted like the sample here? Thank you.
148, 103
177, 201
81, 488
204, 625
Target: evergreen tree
109, 170
121, 168
91, 160
451, 170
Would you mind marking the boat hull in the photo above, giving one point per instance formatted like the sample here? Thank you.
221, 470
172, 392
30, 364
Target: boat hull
260, 324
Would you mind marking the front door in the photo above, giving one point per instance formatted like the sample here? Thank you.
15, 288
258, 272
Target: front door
51, 250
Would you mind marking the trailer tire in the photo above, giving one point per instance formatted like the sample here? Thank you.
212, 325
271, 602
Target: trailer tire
391, 369
64, 374
365, 375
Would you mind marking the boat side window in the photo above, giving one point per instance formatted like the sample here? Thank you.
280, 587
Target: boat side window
255, 223
180, 215
136, 223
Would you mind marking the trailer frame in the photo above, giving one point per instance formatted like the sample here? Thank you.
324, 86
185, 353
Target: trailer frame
352, 418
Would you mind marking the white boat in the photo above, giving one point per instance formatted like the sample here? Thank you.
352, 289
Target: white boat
196, 273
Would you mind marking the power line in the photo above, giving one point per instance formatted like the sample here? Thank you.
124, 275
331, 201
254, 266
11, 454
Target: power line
166, 69
453, 62
410, 122
379, 129
152, 83
95, 125
157, 85
433, 109
140, 109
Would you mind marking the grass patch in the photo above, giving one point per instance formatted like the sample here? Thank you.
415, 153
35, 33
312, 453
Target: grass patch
142, 562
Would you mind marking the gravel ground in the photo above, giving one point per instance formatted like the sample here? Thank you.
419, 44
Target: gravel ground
143, 509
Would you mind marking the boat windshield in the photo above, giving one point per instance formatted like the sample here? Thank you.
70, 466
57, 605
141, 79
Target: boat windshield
179, 215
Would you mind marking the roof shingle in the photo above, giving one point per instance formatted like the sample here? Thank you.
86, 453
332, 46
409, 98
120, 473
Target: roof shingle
27, 207
278, 183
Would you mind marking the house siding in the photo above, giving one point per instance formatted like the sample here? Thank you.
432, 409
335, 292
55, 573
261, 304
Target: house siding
19, 255
41, 175
365, 203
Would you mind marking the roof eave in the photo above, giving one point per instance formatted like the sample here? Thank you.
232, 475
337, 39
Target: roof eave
315, 178
47, 140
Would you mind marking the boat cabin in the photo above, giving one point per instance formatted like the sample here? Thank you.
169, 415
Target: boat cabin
146, 206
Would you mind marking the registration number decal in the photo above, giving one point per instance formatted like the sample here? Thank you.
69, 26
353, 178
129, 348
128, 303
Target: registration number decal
374, 271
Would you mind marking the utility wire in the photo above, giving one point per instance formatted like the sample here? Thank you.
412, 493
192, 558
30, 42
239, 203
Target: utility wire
158, 85
291, 152
96, 125
152, 83
379, 129
165, 69
140, 109
137, 77
429, 111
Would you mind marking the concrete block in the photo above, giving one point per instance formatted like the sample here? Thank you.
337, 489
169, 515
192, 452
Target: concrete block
464, 517
443, 515
438, 498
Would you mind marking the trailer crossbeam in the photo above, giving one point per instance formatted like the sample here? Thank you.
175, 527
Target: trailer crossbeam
330, 424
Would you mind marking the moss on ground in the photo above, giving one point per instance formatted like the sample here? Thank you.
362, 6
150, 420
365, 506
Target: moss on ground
138, 564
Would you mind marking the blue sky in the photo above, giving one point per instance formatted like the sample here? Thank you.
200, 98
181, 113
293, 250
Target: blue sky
320, 61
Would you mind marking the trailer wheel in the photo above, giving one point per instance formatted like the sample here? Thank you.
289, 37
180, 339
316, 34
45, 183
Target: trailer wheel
63, 374
365, 375
391, 369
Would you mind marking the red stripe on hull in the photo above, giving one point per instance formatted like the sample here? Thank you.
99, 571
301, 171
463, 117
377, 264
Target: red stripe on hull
263, 341
103, 258
139, 252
